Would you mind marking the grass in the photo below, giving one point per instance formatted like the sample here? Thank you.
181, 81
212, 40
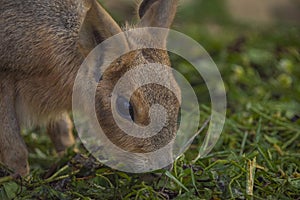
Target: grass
256, 157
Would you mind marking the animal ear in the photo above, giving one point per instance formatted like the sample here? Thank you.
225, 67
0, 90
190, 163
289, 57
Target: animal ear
97, 25
157, 13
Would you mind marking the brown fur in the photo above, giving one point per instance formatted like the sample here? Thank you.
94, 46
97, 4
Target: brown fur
43, 44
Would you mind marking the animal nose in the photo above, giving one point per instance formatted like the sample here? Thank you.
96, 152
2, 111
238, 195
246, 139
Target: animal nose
141, 115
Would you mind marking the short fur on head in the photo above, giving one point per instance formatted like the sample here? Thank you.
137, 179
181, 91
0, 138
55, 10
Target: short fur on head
43, 44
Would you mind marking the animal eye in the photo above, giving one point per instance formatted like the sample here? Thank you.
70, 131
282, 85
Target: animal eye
125, 108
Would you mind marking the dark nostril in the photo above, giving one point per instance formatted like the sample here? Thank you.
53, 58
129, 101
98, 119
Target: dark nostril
131, 112
125, 108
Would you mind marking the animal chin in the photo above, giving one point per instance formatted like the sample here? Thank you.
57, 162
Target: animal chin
133, 144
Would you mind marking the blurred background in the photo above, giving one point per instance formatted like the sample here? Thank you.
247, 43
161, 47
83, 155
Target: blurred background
254, 43
243, 11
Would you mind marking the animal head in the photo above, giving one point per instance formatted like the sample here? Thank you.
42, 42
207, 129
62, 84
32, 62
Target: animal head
153, 106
